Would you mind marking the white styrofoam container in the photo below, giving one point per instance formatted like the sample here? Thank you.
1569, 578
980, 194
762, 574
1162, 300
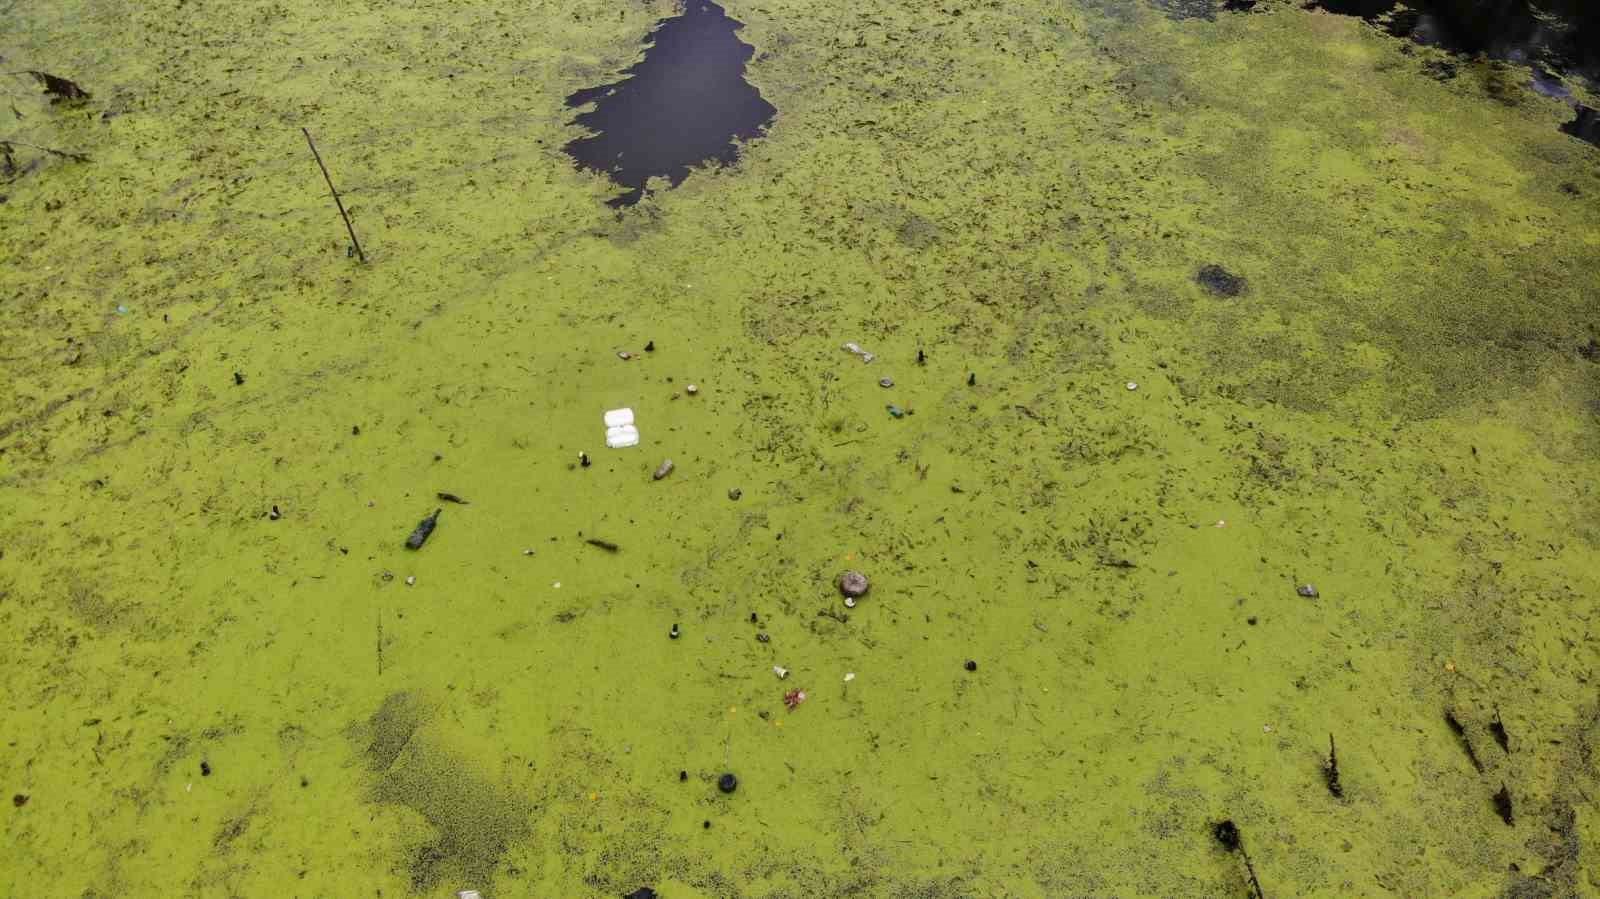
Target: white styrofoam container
617, 418
626, 435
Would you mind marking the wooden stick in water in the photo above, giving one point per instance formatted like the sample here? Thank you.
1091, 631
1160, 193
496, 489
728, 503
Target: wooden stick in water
337, 202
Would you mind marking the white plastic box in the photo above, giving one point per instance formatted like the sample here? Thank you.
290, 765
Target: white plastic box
620, 431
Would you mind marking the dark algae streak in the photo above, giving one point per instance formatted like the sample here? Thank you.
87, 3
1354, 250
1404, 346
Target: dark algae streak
684, 104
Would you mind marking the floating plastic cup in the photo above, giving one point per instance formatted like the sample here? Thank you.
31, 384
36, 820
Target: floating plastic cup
620, 431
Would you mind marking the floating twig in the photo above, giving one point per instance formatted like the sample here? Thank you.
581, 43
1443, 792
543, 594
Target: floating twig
606, 545
1332, 771
1227, 833
7, 144
337, 202
1498, 728
1461, 735
452, 498
380, 642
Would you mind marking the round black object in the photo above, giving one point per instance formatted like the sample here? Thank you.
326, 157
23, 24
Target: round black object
707, 825
205, 769
683, 776
1220, 281
727, 783
1227, 833
971, 665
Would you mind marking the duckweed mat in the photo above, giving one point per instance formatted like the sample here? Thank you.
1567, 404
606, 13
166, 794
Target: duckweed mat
225, 675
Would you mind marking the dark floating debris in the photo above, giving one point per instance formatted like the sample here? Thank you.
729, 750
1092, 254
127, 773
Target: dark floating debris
606, 545
727, 783
424, 529
674, 633
452, 498
19, 800
1220, 281
1502, 805
61, 90
1332, 771
1460, 731
641, 893
684, 104
971, 665
205, 769
1308, 591
1498, 728
1227, 833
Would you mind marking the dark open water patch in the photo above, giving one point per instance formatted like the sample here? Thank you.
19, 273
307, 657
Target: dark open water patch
1560, 35
684, 104
1551, 36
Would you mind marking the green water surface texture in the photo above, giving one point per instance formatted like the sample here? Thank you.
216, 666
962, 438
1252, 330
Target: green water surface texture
1396, 411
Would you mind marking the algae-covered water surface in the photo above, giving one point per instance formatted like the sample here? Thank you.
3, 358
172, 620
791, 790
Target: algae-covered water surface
1222, 400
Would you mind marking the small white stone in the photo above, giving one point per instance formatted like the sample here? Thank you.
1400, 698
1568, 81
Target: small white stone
780, 671
849, 677
691, 390
849, 602
1133, 385
1266, 728
411, 580
556, 585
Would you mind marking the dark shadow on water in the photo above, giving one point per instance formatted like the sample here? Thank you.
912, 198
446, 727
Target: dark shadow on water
684, 104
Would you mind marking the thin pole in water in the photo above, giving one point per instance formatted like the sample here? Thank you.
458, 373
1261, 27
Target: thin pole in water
338, 202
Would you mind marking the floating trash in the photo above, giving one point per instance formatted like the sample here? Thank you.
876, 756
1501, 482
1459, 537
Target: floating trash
855, 348
854, 583
886, 382
895, 411
1132, 385
620, 431
780, 671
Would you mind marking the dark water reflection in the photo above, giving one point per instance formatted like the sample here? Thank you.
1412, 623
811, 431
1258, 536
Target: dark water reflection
684, 104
